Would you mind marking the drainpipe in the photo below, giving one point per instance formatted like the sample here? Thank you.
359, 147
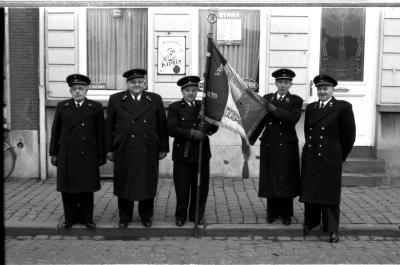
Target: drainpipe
42, 101
7, 95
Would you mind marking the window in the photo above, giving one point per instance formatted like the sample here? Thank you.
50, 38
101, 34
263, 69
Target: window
342, 43
240, 48
116, 42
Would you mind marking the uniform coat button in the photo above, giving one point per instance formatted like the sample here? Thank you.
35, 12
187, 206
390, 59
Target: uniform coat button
280, 123
280, 133
280, 144
270, 123
132, 122
83, 138
310, 137
309, 145
133, 136
144, 135
83, 124
144, 121
310, 129
320, 145
82, 152
319, 154
322, 128
321, 137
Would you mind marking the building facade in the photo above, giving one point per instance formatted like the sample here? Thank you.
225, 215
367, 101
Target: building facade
359, 46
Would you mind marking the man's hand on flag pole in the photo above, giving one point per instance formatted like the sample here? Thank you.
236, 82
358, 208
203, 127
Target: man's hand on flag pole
203, 126
196, 134
270, 107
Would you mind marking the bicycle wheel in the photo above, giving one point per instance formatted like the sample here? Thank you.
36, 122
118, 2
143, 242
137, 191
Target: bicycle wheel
9, 157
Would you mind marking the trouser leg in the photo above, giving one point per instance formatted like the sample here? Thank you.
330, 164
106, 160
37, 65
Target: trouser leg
85, 200
182, 179
312, 215
331, 218
272, 207
204, 187
285, 207
70, 204
145, 209
125, 210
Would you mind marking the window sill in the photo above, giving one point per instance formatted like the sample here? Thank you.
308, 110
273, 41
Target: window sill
388, 107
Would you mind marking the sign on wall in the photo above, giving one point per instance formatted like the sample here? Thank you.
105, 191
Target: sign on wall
171, 55
229, 28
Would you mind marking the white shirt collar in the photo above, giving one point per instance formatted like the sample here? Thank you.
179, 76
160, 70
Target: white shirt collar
326, 102
79, 103
279, 96
190, 103
138, 96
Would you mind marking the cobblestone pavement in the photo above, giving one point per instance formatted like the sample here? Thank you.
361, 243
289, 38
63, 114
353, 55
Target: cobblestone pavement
43, 249
230, 201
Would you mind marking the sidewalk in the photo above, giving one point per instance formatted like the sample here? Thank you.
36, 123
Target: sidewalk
233, 207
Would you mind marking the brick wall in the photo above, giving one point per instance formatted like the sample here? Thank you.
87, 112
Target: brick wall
24, 75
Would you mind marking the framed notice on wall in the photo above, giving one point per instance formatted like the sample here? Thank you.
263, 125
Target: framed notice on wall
229, 28
171, 55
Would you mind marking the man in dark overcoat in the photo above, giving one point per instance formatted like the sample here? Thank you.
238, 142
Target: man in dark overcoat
185, 126
330, 133
77, 150
279, 150
136, 139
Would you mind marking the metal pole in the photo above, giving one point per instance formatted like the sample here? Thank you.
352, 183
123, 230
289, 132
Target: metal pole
211, 18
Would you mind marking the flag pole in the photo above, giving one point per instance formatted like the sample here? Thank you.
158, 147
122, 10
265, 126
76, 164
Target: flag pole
211, 18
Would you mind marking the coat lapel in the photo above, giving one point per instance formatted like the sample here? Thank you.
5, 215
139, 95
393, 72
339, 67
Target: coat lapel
82, 113
69, 110
317, 114
186, 108
144, 105
128, 104
284, 101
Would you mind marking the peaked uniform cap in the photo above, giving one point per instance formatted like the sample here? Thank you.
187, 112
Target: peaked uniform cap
283, 74
190, 80
78, 79
134, 73
324, 80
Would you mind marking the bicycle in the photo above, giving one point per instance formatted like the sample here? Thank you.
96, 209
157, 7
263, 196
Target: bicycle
9, 159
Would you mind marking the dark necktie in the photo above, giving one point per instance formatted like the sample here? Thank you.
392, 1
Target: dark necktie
280, 98
78, 105
321, 106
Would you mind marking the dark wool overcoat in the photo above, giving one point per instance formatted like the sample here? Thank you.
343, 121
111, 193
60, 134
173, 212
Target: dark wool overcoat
77, 139
279, 150
330, 134
136, 133
182, 118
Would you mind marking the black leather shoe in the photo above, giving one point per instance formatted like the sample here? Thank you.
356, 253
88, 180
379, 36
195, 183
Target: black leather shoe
65, 225
179, 222
333, 237
90, 225
147, 222
270, 219
286, 221
123, 225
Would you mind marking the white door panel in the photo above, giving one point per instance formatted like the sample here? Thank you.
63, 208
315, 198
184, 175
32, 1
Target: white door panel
361, 94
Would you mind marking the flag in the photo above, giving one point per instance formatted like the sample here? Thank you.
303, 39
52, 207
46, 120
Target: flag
230, 103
